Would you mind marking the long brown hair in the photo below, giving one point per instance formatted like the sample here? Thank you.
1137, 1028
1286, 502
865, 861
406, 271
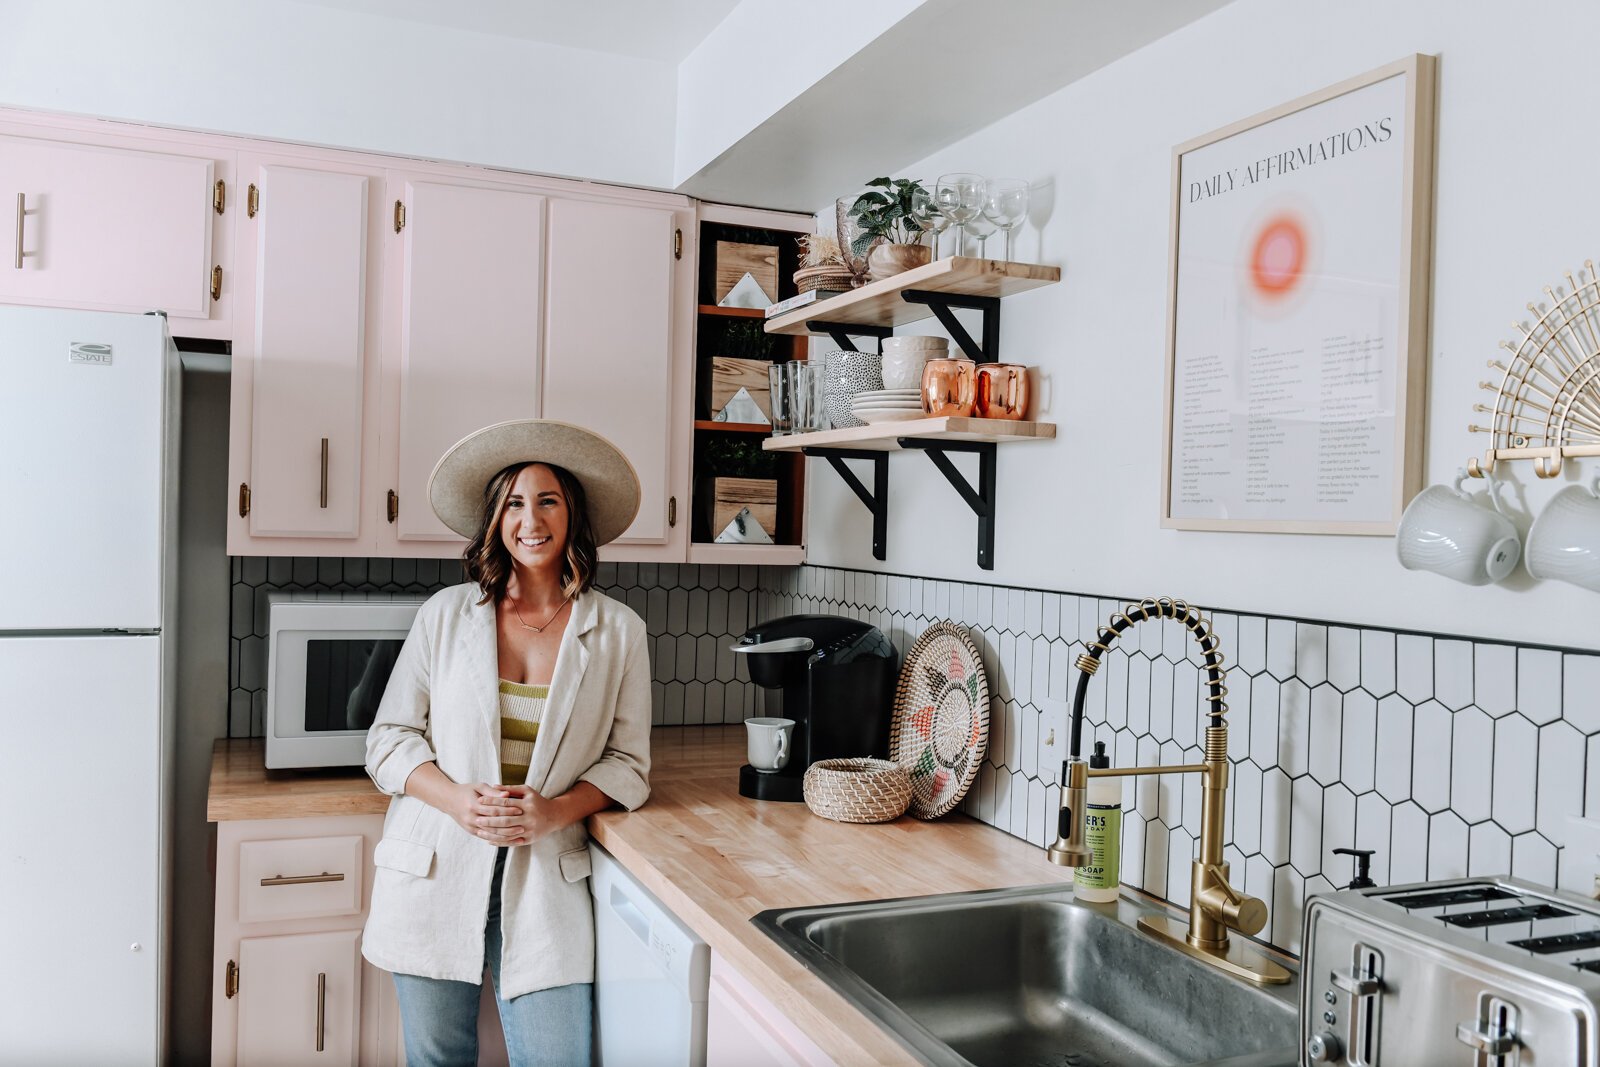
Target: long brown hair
486, 560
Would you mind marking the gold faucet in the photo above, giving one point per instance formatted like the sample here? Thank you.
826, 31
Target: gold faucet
1215, 906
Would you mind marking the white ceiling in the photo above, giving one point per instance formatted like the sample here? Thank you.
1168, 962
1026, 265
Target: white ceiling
664, 30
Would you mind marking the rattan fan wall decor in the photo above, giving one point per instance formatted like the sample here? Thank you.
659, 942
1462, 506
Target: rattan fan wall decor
1547, 402
941, 718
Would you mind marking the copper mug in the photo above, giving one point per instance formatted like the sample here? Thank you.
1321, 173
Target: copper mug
1002, 391
949, 387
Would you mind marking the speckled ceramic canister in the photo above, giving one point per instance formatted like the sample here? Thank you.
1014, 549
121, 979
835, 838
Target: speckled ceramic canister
849, 373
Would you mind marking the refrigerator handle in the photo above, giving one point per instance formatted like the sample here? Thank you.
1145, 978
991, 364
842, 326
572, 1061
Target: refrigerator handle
324, 493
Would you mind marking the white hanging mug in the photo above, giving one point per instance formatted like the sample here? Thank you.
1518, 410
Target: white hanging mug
767, 743
1564, 542
1447, 531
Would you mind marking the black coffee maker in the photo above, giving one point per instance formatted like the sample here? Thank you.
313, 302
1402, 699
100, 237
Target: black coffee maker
836, 677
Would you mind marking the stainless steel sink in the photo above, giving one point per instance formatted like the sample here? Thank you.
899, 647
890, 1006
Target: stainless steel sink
1024, 977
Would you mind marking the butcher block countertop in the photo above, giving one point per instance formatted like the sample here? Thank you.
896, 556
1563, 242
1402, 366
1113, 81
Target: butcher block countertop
715, 858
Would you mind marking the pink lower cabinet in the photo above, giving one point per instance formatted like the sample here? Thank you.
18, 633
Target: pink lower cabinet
463, 298
289, 984
745, 1029
106, 229
299, 363
304, 999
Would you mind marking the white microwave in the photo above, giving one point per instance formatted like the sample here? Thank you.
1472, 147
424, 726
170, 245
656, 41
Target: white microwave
328, 660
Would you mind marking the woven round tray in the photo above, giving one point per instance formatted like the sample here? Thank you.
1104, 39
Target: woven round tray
941, 718
857, 790
811, 278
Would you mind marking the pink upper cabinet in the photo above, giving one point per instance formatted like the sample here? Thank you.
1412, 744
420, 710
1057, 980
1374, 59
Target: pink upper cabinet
303, 258
463, 297
103, 228
609, 339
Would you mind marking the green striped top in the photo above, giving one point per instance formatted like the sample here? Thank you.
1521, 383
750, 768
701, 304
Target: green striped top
521, 710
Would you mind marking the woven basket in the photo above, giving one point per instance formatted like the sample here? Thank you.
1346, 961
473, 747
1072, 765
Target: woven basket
831, 277
857, 790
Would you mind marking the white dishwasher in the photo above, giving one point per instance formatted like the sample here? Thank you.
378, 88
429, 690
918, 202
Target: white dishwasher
650, 975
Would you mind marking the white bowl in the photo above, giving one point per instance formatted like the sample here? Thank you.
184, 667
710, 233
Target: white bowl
903, 358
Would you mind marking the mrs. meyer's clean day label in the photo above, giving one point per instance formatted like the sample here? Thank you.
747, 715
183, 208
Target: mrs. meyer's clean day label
1099, 881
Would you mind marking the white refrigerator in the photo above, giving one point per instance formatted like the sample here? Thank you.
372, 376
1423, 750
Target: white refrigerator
88, 525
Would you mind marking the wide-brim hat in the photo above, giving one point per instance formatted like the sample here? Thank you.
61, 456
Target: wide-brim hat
455, 489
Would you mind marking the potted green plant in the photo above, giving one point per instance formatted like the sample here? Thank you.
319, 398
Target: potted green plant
893, 217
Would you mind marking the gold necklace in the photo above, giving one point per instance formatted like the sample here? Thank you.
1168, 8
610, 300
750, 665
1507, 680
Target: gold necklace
540, 628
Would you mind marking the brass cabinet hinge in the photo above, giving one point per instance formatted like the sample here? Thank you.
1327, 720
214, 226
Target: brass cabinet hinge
244, 499
216, 282
399, 216
672, 512
677, 244
252, 200
219, 197
230, 981
394, 505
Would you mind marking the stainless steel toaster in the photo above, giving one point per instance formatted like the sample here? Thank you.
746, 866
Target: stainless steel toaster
1476, 972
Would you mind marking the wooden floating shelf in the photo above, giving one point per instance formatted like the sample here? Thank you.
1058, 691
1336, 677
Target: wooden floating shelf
880, 303
759, 555
885, 436
732, 427
733, 313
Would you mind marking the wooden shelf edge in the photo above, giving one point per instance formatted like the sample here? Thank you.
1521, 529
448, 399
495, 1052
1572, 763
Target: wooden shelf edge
886, 435
733, 313
955, 274
733, 427
760, 555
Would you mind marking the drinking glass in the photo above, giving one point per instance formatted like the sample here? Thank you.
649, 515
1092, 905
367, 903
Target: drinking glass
1005, 203
980, 227
848, 230
959, 197
782, 399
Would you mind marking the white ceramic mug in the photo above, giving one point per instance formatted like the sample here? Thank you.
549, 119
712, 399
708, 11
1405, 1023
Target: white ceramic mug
1447, 531
1564, 543
767, 743
903, 358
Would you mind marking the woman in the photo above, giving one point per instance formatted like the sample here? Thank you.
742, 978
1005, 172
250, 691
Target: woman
519, 706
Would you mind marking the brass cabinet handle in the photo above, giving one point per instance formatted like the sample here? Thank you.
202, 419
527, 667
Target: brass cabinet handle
677, 244
399, 216
302, 879
394, 505
322, 1004
230, 981
219, 196
324, 494
252, 200
672, 512
216, 282
22, 211
244, 499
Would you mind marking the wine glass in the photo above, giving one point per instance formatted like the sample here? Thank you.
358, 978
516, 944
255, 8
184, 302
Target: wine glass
959, 197
1005, 203
929, 219
983, 228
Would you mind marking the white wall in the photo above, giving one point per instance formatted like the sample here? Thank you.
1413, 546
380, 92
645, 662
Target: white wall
1514, 210
300, 72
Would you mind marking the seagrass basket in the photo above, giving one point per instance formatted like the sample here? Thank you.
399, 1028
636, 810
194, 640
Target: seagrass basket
826, 277
857, 790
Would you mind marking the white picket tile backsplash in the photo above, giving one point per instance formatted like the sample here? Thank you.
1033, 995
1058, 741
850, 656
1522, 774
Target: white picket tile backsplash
1444, 755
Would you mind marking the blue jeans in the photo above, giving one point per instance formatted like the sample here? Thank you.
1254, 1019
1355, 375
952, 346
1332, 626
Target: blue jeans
547, 1028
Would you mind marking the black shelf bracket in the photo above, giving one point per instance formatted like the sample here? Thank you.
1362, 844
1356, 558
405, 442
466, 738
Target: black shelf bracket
877, 499
942, 303
841, 332
982, 502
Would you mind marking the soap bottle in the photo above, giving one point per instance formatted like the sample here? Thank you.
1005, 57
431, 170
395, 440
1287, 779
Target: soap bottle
1099, 881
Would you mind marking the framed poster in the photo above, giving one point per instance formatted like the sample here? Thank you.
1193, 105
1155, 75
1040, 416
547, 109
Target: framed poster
1297, 312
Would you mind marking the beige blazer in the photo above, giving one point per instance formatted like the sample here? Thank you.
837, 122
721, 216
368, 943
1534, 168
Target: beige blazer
430, 896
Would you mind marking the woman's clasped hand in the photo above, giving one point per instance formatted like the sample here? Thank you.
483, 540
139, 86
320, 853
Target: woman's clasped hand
503, 814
